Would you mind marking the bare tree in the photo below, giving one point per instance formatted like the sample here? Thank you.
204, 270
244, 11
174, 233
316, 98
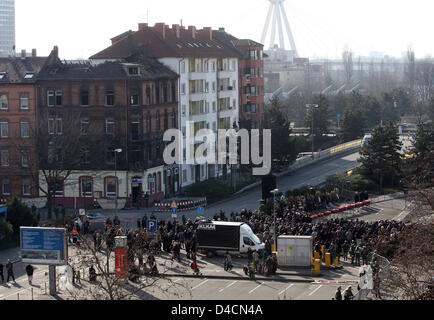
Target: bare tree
347, 59
143, 281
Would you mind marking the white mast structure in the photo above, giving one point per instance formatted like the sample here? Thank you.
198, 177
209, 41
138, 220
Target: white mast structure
278, 11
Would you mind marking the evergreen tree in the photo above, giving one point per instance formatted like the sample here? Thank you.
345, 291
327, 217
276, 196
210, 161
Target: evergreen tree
380, 157
20, 215
282, 145
321, 116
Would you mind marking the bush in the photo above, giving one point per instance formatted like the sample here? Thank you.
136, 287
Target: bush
357, 182
213, 189
6, 229
20, 215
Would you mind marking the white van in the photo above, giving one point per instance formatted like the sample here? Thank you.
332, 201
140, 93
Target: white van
366, 138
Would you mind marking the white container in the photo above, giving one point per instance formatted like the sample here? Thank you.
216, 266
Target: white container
294, 251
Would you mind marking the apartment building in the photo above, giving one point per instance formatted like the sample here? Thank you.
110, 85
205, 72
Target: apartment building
17, 123
208, 80
7, 28
126, 104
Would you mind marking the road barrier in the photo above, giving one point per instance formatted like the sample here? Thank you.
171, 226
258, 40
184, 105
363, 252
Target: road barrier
343, 209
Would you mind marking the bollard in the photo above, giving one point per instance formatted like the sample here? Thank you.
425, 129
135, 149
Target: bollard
18, 296
322, 252
32, 293
45, 287
317, 269
336, 261
328, 259
316, 255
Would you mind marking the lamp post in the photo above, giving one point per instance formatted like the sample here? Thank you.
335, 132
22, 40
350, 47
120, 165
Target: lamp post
312, 106
116, 176
274, 209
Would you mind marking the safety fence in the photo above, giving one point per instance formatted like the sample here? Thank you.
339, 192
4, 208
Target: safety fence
343, 209
181, 204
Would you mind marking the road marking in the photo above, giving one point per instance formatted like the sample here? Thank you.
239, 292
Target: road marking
14, 294
315, 290
256, 287
379, 212
200, 284
230, 285
286, 289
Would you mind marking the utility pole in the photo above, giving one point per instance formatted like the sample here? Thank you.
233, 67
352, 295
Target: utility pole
312, 107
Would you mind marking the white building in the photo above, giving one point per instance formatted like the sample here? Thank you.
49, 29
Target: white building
208, 83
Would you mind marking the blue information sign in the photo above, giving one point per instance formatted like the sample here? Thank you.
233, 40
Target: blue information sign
43, 246
151, 226
201, 210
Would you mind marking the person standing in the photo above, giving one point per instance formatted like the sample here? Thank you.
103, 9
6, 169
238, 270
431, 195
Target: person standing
29, 271
348, 294
338, 294
10, 270
1, 272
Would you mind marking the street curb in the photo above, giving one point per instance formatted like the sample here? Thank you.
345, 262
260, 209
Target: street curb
240, 278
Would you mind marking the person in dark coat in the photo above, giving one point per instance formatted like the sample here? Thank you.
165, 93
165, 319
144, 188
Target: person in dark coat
29, 271
10, 270
1, 272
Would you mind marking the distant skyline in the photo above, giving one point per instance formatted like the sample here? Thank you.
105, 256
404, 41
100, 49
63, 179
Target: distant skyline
322, 29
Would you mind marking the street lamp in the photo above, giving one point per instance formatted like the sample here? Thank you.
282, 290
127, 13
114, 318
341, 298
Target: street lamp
116, 176
316, 107
274, 209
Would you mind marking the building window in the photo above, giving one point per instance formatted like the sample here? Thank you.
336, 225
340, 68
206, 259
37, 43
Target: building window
183, 67
213, 86
111, 186
202, 171
183, 110
109, 98
148, 95
6, 187
4, 158
184, 176
24, 101
133, 71
192, 173
110, 127
26, 187
135, 130
58, 188
183, 88
29, 75
58, 97
25, 130
25, 158
51, 126
84, 98
50, 98
4, 102
4, 129
59, 126
214, 106
134, 99
86, 185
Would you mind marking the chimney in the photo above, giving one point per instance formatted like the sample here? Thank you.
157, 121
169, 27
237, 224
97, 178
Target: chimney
160, 28
206, 32
222, 29
176, 30
143, 26
23, 53
34, 53
56, 51
192, 30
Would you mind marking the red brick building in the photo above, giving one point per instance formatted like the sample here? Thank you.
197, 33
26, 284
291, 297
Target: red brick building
129, 104
18, 166
251, 78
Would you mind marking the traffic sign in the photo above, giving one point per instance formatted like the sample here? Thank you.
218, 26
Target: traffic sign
201, 210
174, 205
151, 225
174, 215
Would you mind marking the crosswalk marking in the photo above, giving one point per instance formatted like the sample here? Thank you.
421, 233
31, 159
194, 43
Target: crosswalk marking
315, 290
200, 284
256, 287
230, 285
285, 289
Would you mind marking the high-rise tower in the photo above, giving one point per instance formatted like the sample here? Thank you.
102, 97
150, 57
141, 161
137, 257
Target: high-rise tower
7, 27
277, 10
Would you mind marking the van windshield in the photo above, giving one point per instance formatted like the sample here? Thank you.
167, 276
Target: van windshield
255, 239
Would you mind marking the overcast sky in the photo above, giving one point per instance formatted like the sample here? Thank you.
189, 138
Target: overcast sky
321, 28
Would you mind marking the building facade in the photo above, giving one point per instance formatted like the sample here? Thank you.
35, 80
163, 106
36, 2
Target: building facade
18, 165
208, 85
116, 105
7, 28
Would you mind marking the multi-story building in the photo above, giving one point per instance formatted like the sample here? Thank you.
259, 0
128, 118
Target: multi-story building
208, 80
18, 166
127, 104
7, 28
251, 78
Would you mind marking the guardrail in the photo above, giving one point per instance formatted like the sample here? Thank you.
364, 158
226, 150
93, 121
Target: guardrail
308, 160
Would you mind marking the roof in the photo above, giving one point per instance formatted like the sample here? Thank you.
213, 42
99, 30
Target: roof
150, 69
15, 69
170, 46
